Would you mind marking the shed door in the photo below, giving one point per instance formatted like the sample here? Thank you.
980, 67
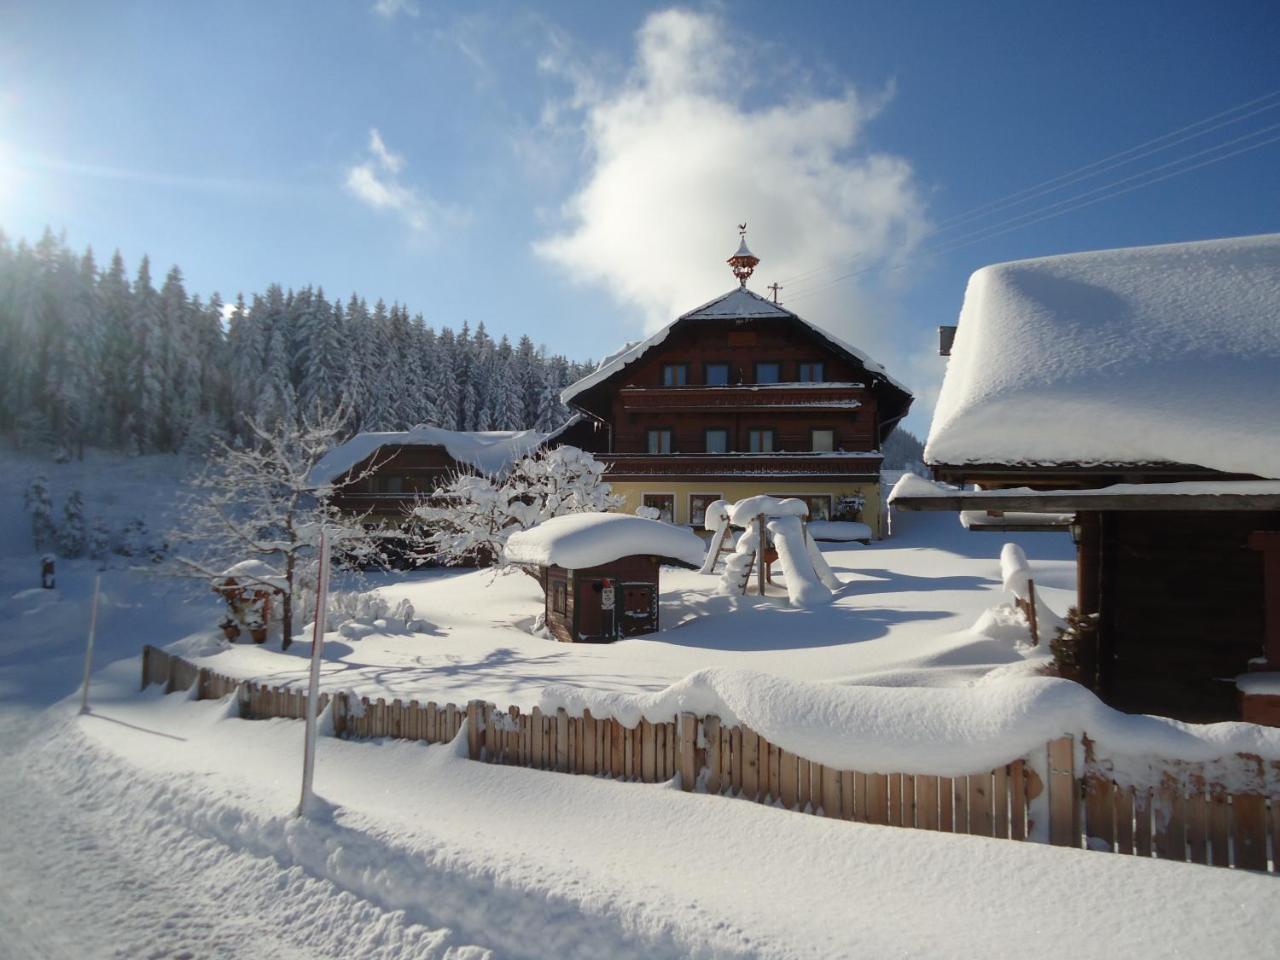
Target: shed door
639, 609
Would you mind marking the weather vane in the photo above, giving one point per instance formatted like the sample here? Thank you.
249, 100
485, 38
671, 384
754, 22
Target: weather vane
743, 263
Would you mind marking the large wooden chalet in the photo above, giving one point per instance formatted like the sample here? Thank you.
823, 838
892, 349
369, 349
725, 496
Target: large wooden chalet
1135, 395
739, 397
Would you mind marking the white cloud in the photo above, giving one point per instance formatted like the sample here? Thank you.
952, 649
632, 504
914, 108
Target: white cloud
390, 9
376, 182
676, 158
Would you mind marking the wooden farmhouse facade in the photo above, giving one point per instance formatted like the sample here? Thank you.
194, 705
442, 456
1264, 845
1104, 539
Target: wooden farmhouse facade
739, 397
1143, 420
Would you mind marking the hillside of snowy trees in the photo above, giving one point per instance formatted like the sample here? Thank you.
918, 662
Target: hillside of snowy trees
97, 356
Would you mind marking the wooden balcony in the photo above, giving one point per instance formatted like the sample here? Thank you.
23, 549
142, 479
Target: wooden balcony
844, 467
745, 397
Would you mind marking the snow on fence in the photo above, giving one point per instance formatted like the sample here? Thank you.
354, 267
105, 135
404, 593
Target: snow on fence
1187, 815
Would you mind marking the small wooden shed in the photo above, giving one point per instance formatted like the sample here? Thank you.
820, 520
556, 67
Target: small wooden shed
600, 571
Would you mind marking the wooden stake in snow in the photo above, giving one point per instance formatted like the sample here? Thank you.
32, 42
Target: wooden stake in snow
313, 694
88, 652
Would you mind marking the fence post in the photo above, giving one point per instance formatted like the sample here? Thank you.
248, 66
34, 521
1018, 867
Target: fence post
688, 750
1064, 799
473, 729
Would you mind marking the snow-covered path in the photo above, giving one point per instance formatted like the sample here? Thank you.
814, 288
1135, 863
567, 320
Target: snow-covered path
99, 867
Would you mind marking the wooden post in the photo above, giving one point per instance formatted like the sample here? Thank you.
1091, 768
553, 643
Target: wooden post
1031, 612
711, 731
1063, 799
688, 750
760, 554
473, 729
562, 740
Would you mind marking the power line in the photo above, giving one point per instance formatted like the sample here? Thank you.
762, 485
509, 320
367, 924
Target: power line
1109, 162
988, 233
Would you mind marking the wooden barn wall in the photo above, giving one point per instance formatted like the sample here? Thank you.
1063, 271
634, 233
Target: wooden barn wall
1182, 611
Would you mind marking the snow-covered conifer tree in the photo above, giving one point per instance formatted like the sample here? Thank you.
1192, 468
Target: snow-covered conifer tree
40, 506
71, 535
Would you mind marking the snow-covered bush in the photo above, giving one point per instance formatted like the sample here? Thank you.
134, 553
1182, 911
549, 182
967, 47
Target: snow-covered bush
1074, 647
470, 518
40, 507
71, 535
99, 543
134, 539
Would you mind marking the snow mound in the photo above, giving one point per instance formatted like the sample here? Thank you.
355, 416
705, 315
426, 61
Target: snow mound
804, 586
744, 511
580, 540
1164, 354
489, 451
839, 531
947, 731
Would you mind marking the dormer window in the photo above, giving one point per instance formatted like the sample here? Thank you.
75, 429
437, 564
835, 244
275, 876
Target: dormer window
811, 372
675, 374
768, 372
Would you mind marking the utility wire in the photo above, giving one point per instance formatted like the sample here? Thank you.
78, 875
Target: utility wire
1128, 155
987, 234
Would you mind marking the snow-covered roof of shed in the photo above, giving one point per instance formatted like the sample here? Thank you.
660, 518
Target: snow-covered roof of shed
579, 540
1165, 354
489, 451
253, 571
738, 303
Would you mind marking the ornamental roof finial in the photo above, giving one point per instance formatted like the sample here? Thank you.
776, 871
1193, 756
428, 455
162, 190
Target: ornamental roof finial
743, 263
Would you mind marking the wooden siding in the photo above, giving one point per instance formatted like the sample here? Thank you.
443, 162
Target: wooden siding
1181, 599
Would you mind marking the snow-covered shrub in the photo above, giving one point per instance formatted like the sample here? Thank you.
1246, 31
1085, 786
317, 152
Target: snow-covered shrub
470, 518
1074, 647
99, 543
40, 507
71, 535
134, 539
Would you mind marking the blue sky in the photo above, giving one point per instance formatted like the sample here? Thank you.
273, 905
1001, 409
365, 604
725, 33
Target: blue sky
575, 171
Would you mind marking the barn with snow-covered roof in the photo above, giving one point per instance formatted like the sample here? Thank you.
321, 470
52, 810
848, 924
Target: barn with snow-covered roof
737, 398
1133, 396
382, 473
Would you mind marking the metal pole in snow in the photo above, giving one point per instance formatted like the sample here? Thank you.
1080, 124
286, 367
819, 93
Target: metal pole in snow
88, 653
313, 694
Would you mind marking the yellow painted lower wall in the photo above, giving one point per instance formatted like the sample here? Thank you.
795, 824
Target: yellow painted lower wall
633, 492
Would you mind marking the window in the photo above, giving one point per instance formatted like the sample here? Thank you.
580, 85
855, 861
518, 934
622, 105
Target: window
768, 372
811, 373
559, 597
389, 485
659, 441
675, 374
819, 504
823, 441
664, 503
718, 441
717, 374
760, 441
698, 503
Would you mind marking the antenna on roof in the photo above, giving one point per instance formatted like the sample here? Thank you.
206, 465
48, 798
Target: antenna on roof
743, 263
775, 287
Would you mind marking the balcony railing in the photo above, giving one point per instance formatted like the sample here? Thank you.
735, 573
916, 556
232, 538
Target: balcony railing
765, 396
808, 464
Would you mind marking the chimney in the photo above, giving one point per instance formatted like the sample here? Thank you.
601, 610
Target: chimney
946, 337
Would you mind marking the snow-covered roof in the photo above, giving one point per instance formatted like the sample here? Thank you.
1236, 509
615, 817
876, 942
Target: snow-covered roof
489, 451
253, 571
579, 540
1166, 354
738, 303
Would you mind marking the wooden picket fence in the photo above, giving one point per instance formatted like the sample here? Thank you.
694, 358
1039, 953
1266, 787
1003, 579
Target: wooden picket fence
1212, 826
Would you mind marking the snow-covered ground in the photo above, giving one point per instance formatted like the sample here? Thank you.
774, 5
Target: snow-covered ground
158, 826
906, 615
